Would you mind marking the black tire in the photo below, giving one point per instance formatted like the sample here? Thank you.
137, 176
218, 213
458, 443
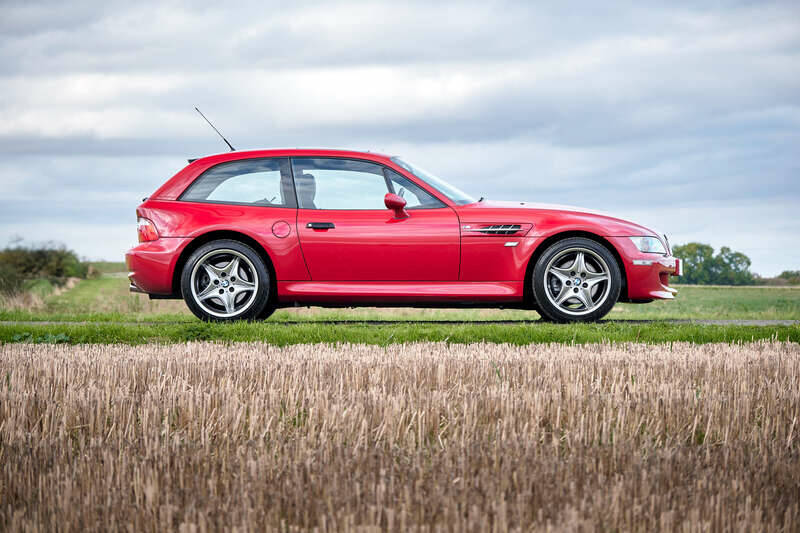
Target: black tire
547, 281
245, 303
266, 312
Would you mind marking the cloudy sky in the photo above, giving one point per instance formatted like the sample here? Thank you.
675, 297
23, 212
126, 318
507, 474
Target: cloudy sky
681, 116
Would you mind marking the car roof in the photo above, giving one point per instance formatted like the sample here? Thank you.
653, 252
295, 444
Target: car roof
289, 152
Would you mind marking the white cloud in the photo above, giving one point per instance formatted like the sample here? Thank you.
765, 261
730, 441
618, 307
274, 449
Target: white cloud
647, 109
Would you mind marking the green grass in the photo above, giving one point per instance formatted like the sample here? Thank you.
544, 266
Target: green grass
93, 294
283, 334
106, 299
106, 267
39, 287
102, 310
698, 302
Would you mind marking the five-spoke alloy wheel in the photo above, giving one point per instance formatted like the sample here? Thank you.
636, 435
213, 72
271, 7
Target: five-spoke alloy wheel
576, 279
226, 280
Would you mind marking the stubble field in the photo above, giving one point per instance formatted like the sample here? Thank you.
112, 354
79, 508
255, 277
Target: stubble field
421, 436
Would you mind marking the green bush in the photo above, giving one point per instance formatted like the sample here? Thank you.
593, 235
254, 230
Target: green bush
10, 280
50, 261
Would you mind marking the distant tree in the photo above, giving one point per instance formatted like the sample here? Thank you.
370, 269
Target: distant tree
733, 268
702, 267
697, 262
792, 277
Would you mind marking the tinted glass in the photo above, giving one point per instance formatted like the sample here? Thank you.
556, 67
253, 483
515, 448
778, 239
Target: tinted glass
414, 195
253, 181
326, 183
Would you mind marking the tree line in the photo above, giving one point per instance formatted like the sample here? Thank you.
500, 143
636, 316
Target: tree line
701, 266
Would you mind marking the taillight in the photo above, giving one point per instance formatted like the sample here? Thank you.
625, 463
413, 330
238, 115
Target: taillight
146, 229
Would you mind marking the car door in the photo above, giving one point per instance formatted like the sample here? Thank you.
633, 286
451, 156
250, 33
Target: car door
347, 234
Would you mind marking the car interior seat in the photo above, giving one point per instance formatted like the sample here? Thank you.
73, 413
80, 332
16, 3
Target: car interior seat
306, 190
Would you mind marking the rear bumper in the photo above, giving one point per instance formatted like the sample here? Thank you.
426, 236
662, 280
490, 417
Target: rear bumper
151, 264
648, 274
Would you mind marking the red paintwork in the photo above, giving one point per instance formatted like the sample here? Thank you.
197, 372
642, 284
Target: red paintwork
374, 256
190, 219
150, 265
376, 246
646, 282
394, 292
281, 229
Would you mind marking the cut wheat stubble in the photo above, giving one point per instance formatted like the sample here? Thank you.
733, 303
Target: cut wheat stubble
417, 436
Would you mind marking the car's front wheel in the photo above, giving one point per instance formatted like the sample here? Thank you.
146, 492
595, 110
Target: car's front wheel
225, 280
576, 280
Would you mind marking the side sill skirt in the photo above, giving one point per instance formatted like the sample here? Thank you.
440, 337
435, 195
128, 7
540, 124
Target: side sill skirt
400, 293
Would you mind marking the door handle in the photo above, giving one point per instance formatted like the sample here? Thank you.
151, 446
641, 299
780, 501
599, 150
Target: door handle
320, 225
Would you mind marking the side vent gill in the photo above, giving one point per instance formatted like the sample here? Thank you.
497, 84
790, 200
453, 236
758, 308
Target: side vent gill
495, 229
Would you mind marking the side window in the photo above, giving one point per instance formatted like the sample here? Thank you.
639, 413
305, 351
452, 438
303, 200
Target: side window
264, 182
328, 183
414, 195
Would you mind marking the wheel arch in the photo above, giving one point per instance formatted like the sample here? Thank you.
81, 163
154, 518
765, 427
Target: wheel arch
215, 235
551, 239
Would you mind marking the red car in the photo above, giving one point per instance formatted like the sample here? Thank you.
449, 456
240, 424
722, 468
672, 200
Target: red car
240, 234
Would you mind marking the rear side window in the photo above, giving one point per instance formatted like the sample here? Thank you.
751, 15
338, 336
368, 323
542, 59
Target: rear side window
265, 182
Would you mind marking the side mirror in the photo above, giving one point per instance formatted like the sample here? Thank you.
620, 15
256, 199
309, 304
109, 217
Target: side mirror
396, 204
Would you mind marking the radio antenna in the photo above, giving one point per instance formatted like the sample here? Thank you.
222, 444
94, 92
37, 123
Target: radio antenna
215, 129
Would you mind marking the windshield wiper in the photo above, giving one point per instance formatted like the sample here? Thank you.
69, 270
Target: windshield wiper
482, 199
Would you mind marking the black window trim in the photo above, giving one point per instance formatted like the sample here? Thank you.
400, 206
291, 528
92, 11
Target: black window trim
247, 204
384, 174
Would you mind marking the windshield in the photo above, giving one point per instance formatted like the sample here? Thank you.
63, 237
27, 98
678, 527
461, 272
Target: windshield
457, 196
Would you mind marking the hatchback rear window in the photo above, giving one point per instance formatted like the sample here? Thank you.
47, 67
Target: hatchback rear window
265, 182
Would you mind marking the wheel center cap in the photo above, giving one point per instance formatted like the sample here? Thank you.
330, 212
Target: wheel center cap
225, 283
577, 281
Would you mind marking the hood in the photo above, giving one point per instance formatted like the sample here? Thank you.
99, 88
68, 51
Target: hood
543, 207
547, 217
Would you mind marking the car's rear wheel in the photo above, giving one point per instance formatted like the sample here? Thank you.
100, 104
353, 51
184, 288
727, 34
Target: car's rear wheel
225, 280
576, 280
266, 312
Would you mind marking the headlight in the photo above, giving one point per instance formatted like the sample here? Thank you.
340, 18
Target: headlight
649, 245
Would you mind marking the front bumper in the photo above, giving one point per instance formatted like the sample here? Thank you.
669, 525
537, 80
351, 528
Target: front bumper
647, 274
151, 264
